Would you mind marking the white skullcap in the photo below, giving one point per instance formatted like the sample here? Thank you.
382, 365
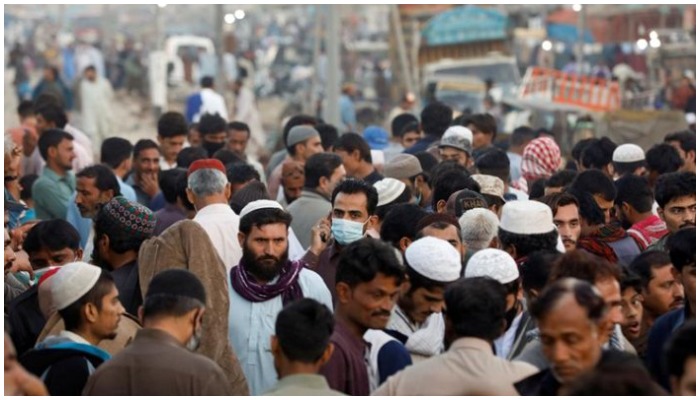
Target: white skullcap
389, 189
259, 205
492, 263
527, 217
690, 118
459, 137
627, 153
435, 259
72, 282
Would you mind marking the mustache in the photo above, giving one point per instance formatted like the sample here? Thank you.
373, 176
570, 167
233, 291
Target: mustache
688, 224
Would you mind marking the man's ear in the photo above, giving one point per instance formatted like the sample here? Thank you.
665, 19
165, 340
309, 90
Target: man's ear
602, 331
190, 195
51, 153
441, 206
241, 239
327, 353
510, 249
356, 155
344, 292
90, 312
373, 220
404, 242
227, 192
494, 243
104, 242
79, 254
275, 345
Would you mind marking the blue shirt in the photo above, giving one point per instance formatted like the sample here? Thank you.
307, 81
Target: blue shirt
347, 112
51, 194
252, 324
127, 190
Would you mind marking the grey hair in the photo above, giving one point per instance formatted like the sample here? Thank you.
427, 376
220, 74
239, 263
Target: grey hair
479, 227
207, 182
9, 145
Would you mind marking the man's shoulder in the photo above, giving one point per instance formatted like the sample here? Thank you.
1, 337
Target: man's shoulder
667, 322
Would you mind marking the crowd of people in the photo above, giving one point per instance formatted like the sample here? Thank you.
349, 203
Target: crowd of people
425, 261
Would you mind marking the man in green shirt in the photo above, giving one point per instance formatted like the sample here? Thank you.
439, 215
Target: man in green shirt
53, 190
301, 346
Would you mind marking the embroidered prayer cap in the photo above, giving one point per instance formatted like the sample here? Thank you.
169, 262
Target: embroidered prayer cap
490, 185
71, 282
207, 163
301, 133
44, 292
464, 200
628, 153
389, 189
130, 217
526, 217
403, 166
376, 137
492, 263
541, 158
435, 259
458, 137
177, 282
259, 205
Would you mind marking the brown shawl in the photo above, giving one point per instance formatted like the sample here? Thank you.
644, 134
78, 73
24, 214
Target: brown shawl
186, 245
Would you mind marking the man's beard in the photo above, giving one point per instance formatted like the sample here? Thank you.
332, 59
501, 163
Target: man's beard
266, 267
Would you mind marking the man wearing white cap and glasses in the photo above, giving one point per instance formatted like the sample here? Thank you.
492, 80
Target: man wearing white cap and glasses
456, 145
498, 265
416, 320
527, 226
629, 159
88, 301
262, 283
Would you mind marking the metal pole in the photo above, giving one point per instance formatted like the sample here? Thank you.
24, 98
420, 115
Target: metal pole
310, 108
581, 29
219, 46
331, 110
401, 44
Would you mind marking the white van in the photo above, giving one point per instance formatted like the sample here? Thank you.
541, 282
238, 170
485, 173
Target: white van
177, 47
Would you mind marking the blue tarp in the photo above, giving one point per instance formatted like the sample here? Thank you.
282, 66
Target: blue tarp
464, 25
567, 33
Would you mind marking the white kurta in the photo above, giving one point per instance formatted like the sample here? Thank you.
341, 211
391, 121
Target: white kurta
97, 101
247, 111
221, 224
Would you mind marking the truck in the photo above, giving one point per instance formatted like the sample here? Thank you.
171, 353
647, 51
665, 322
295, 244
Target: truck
462, 46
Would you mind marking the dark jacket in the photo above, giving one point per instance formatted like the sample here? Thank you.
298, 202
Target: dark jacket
26, 320
63, 365
659, 335
527, 323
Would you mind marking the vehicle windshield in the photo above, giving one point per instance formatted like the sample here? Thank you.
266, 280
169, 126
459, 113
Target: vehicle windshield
503, 73
458, 100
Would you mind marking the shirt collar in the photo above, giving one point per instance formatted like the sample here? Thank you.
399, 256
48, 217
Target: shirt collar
311, 381
51, 174
73, 337
217, 208
471, 343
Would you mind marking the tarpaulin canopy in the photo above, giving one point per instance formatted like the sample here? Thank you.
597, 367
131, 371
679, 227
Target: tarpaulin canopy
465, 25
567, 33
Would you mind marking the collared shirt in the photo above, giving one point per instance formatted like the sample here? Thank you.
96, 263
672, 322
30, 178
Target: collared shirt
126, 190
469, 367
504, 344
81, 224
141, 197
325, 264
515, 161
302, 385
167, 216
347, 370
126, 279
34, 164
73, 337
648, 231
51, 194
221, 224
156, 364
165, 166
252, 323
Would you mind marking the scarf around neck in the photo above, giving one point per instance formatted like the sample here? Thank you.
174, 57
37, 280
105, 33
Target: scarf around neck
287, 284
597, 242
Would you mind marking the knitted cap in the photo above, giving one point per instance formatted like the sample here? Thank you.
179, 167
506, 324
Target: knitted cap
403, 166
628, 153
490, 185
458, 137
301, 133
435, 259
389, 189
71, 282
527, 217
130, 217
492, 263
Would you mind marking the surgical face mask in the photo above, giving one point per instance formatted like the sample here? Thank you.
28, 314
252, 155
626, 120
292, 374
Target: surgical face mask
346, 231
195, 340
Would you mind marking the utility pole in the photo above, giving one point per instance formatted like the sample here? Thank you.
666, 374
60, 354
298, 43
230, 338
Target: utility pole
581, 29
331, 111
310, 108
219, 46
